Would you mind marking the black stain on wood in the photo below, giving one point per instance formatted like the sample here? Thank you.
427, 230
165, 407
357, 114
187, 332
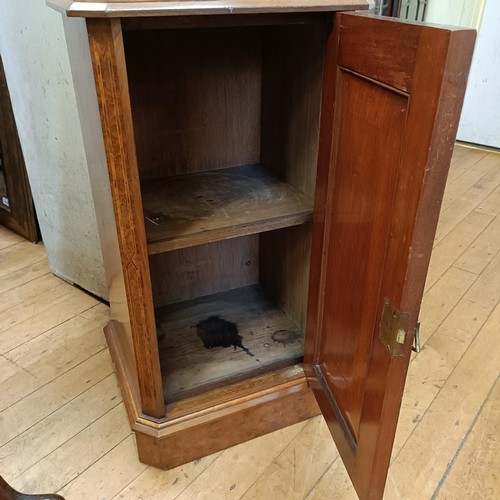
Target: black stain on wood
218, 332
285, 337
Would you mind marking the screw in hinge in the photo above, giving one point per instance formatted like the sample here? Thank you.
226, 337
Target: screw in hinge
400, 336
416, 347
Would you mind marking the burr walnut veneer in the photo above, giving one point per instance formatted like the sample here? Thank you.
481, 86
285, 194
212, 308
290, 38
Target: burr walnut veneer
276, 171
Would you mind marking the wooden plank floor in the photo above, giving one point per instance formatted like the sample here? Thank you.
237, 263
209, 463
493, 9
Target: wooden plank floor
63, 426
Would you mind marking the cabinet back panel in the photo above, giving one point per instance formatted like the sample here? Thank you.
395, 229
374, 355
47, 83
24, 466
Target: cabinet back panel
196, 98
204, 269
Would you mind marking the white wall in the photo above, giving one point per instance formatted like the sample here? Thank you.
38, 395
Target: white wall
465, 13
480, 121
34, 52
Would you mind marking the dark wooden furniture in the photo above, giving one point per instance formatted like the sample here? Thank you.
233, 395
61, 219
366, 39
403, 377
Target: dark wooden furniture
276, 172
17, 211
9, 493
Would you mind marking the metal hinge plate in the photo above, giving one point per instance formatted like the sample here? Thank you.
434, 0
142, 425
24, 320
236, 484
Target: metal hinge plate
393, 328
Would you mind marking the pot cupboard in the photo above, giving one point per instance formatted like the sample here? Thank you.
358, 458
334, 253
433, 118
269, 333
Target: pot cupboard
275, 170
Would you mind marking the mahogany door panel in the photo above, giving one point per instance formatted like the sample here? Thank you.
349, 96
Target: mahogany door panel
362, 201
391, 102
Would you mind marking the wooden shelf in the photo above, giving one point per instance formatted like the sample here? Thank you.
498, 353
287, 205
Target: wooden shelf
271, 340
193, 209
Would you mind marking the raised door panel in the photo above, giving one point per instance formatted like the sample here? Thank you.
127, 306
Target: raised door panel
391, 102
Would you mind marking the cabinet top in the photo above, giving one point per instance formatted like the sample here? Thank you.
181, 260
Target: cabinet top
134, 8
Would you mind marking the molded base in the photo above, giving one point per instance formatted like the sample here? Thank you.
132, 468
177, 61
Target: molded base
171, 442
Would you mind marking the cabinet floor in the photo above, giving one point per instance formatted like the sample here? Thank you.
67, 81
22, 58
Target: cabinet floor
223, 338
63, 426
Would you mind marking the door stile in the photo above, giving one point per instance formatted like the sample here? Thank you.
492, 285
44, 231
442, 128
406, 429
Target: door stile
441, 101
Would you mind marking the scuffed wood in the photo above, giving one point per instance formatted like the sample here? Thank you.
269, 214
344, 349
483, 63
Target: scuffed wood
270, 338
187, 210
134, 8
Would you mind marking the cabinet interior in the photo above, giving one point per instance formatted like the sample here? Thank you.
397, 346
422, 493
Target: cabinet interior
226, 125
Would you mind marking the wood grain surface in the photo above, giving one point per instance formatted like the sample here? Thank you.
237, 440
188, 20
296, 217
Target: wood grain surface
204, 269
292, 68
21, 216
273, 340
383, 162
284, 258
368, 224
445, 445
125, 8
108, 59
188, 210
195, 97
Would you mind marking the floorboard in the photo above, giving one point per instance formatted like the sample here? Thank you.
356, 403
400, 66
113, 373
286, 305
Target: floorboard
63, 426
475, 468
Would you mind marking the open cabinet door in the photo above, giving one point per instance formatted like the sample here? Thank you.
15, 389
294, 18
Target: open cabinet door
392, 97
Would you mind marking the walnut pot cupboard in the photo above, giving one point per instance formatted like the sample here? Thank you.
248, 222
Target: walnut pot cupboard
276, 172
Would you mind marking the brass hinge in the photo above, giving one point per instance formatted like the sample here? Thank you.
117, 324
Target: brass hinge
393, 328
